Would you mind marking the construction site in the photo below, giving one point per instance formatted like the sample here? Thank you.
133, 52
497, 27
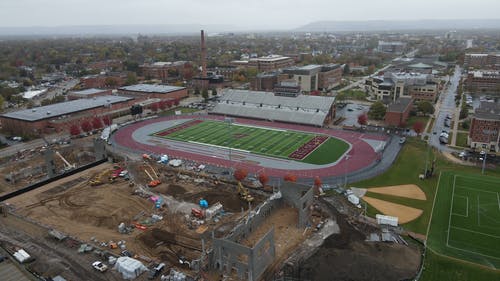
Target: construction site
77, 210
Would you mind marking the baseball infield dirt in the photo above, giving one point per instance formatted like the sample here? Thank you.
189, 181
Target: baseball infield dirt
406, 190
404, 213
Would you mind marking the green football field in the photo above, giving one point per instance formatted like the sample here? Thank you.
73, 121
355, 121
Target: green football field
466, 218
258, 140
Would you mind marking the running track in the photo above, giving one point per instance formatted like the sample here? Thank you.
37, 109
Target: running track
361, 154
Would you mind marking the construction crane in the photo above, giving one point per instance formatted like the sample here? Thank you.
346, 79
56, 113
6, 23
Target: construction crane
244, 194
67, 165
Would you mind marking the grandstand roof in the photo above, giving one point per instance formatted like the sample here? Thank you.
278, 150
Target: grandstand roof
310, 110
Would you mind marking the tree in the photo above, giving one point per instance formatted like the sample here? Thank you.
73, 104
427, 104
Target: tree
425, 107
464, 112
131, 79
176, 102
86, 126
240, 174
347, 69
96, 123
204, 94
317, 182
290, 178
263, 179
377, 111
362, 119
162, 105
196, 91
418, 127
169, 103
106, 120
214, 92
154, 107
74, 130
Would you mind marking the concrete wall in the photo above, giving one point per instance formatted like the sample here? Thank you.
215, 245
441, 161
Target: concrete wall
301, 197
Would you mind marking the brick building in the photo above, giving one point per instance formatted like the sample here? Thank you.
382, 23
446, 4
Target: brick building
391, 86
164, 70
266, 63
486, 81
61, 116
264, 82
107, 81
398, 112
330, 75
395, 47
88, 93
143, 91
482, 60
485, 127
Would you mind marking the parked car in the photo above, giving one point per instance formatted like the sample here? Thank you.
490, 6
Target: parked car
97, 265
402, 140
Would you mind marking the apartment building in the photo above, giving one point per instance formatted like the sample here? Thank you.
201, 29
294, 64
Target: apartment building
485, 127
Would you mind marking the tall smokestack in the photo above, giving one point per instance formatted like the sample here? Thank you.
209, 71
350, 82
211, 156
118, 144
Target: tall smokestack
203, 56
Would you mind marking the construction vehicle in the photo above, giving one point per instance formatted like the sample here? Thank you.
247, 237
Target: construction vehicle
244, 194
197, 213
98, 180
67, 165
154, 182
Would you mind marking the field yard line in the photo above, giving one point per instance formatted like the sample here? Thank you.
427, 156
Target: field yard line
478, 219
478, 190
432, 209
498, 199
477, 232
259, 127
219, 146
451, 208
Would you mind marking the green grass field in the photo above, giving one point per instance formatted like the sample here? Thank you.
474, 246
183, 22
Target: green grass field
258, 140
466, 218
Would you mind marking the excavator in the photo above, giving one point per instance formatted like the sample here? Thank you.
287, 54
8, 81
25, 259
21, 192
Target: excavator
67, 165
154, 182
98, 180
244, 194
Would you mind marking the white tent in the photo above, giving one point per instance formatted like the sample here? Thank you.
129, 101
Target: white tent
129, 268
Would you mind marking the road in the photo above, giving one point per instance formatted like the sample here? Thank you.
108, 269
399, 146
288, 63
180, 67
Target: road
445, 106
362, 80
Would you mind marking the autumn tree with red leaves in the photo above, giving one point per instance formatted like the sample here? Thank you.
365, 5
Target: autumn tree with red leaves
290, 177
362, 119
240, 174
162, 105
106, 120
86, 126
418, 127
263, 179
96, 123
317, 182
74, 130
154, 107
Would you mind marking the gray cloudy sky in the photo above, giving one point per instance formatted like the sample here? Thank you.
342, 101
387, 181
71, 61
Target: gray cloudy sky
269, 14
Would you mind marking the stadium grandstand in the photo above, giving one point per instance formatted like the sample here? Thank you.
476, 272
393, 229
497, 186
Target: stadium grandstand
299, 109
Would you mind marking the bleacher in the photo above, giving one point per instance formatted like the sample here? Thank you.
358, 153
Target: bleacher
309, 110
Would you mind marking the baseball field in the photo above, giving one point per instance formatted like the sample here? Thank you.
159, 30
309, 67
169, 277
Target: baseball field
465, 220
295, 145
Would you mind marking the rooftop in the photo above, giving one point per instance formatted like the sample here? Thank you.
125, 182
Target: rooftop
420, 65
485, 73
488, 110
270, 58
149, 88
90, 91
64, 108
399, 105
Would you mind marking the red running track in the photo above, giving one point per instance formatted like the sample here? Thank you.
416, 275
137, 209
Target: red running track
361, 154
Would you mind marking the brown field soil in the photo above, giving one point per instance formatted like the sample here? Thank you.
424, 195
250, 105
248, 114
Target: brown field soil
406, 190
404, 213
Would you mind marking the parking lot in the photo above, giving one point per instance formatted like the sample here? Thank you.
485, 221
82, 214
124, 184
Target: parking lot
351, 112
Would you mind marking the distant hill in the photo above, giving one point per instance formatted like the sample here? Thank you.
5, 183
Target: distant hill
381, 25
90, 30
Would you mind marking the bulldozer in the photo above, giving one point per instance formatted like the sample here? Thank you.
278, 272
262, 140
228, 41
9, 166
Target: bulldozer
244, 194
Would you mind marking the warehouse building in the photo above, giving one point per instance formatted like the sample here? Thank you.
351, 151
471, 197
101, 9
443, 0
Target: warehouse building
61, 116
143, 91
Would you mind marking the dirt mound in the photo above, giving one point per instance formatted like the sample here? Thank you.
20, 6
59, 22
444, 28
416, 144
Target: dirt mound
157, 236
346, 256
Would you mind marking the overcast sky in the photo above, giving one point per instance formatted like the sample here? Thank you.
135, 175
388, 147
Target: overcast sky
268, 14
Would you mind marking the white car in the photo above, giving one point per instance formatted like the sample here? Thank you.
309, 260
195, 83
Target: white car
99, 266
